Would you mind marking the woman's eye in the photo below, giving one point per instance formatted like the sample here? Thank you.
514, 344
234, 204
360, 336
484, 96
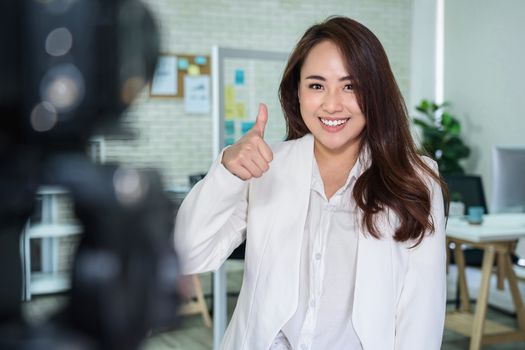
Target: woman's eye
315, 86
349, 87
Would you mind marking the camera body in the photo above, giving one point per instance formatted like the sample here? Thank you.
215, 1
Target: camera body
69, 69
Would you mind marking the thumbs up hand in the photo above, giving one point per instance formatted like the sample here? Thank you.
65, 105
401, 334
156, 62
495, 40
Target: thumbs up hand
250, 156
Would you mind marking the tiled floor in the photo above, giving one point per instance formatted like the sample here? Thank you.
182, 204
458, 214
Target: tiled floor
193, 335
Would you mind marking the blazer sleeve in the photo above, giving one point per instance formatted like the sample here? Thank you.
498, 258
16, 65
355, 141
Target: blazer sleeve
211, 221
421, 308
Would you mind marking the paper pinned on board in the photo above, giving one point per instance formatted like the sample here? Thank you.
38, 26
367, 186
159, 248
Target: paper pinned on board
164, 80
197, 94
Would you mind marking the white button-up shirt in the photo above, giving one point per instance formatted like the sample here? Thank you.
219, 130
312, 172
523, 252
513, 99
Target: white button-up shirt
323, 319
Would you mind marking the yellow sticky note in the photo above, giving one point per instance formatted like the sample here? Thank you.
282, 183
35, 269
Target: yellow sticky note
230, 108
193, 69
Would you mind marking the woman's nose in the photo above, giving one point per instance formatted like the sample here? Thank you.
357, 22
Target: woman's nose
333, 102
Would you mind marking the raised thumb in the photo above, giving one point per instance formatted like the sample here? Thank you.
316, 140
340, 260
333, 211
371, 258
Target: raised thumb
262, 119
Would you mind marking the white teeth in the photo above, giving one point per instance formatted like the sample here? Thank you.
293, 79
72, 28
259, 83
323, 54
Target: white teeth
333, 122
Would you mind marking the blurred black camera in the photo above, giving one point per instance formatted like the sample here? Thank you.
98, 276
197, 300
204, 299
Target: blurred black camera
70, 68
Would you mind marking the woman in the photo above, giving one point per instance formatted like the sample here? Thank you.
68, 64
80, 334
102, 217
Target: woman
343, 222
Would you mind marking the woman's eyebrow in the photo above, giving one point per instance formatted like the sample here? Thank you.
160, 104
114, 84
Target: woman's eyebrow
318, 77
315, 77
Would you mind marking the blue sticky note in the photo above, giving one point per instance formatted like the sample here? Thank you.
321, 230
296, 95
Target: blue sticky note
201, 60
182, 63
246, 126
228, 141
239, 76
229, 126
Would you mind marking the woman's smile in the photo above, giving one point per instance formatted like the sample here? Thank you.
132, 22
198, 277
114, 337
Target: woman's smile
333, 125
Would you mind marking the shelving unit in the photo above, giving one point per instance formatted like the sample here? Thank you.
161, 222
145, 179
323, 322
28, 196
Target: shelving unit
49, 230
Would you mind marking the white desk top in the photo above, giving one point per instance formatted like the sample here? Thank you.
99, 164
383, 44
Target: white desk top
495, 227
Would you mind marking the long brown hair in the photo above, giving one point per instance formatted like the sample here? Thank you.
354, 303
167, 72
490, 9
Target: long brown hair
394, 178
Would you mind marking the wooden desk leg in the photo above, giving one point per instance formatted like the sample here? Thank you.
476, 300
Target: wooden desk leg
501, 270
481, 304
463, 288
514, 290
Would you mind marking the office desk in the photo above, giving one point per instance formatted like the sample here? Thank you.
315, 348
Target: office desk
497, 236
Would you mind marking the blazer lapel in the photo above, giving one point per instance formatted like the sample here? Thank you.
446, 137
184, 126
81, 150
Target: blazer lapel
287, 190
289, 217
374, 298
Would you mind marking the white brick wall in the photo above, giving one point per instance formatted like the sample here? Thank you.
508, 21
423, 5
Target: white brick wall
180, 144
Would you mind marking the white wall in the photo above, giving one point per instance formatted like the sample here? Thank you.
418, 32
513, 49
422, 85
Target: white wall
485, 75
181, 144
423, 53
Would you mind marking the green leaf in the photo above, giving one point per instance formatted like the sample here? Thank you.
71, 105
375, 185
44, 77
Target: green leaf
455, 148
454, 129
450, 167
434, 136
446, 119
424, 105
421, 123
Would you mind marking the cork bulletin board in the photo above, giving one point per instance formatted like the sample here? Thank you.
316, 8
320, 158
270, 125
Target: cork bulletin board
168, 80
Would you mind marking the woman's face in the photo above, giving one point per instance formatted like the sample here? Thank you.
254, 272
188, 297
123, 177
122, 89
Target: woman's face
328, 102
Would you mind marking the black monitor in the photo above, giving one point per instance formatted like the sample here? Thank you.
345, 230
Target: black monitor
467, 189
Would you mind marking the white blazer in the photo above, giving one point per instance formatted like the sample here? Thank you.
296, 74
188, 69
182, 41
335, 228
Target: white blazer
400, 293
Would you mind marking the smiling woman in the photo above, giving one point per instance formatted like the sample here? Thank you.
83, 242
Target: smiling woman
343, 222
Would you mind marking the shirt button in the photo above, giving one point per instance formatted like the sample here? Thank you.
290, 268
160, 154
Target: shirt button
304, 347
312, 303
318, 256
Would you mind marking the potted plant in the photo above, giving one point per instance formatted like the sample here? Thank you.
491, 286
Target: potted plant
441, 137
